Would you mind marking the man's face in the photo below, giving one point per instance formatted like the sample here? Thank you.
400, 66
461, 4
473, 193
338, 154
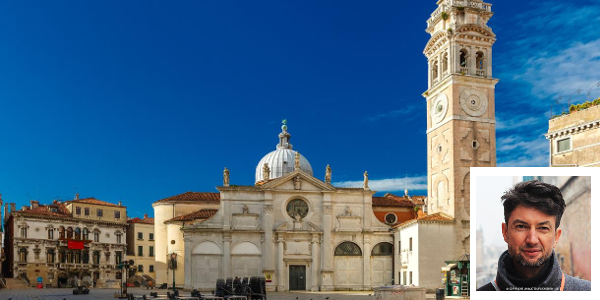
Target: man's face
531, 235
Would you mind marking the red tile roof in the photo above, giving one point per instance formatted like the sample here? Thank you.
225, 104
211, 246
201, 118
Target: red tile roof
145, 220
432, 217
193, 197
202, 214
44, 210
93, 201
390, 200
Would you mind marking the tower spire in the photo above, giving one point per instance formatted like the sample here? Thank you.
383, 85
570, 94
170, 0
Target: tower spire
284, 137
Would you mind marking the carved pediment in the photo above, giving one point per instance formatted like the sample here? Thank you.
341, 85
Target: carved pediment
298, 180
298, 226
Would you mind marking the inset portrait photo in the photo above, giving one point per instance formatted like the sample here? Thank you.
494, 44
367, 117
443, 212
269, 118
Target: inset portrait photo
532, 229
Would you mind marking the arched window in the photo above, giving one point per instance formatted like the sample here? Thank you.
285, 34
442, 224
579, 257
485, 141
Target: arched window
77, 233
50, 233
445, 64
383, 249
348, 249
62, 257
50, 256
96, 258
86, 234
434, 71
69, 233
479, 60
97, 236
23, 255
61, 232
463, 54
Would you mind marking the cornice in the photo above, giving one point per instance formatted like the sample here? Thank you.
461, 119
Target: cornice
573, 130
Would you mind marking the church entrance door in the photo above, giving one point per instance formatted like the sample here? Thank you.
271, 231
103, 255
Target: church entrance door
297, 278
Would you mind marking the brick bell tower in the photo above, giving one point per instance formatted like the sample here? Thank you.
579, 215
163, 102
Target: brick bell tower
461, 124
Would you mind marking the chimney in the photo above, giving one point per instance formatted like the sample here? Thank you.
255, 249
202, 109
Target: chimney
145, 216
24, 207
77, 196
13, 207
34, 204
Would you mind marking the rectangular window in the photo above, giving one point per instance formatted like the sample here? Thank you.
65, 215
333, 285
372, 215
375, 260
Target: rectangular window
50, 234
117, 214
96, 236
151, 236
399, 247
151, 268
563, 145
98, 212
78, 210
410, 244
118, 275
118, 257
404, 278
23, 232
86, 211
141, 268
140, 235
151, 251
410, 278
140, 251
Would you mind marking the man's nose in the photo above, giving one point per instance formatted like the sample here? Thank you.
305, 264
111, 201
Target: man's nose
532, 237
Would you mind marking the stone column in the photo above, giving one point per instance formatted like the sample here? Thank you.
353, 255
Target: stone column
226, 255
187, 259
488, 55
267, 246
367, 263
472, 60
314, 264
280, 264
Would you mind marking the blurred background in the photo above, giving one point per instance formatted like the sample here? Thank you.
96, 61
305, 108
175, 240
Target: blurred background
574, 246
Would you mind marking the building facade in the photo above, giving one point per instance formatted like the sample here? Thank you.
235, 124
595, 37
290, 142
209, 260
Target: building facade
298, 231
141, 248
575, 139
66, 243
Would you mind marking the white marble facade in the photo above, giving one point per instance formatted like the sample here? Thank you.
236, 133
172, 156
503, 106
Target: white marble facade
253, 234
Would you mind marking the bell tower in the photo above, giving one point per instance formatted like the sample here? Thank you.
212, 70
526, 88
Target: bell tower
461, 125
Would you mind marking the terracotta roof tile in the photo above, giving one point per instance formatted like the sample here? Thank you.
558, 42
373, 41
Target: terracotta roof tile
145, 220
193, 197
93, 201
435, 217
44, 210
396, 201
202, 214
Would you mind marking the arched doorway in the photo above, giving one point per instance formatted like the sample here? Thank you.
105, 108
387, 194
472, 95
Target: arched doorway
382, 264
206, 265
348, 264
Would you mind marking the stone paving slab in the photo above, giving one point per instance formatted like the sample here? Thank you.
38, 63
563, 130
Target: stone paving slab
101, 294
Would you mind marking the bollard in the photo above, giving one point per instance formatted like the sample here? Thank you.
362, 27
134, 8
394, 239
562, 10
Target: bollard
439, 294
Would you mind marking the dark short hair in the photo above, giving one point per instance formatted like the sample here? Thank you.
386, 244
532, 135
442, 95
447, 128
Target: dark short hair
536, 194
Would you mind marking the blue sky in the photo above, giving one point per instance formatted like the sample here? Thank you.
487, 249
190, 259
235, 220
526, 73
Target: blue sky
141, 100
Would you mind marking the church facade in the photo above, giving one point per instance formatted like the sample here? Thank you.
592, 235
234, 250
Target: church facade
300, 232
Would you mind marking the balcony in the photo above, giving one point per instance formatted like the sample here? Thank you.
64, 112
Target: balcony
481, 73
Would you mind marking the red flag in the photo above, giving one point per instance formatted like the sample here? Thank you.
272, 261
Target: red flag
75, 245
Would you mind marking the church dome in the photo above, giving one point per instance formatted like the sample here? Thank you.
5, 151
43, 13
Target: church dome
282, 160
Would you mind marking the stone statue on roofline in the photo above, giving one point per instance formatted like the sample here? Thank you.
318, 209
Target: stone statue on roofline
226, 177
366, 181
297, 161
266, 172
328, 174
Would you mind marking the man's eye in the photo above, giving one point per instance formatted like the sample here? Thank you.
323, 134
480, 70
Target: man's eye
544, 228
520, 226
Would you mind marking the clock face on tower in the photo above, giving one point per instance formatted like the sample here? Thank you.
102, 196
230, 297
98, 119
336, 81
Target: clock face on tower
473, 102
439, 108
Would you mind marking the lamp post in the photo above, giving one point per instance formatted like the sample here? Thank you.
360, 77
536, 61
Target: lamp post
173, 267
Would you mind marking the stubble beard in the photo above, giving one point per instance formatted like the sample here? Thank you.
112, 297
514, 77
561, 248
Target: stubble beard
518, 258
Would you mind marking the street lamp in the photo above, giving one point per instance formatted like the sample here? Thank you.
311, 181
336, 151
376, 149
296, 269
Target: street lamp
173, 267
124, 268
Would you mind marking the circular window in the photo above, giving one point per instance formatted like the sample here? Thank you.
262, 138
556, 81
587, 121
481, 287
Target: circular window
297, 207
391, 218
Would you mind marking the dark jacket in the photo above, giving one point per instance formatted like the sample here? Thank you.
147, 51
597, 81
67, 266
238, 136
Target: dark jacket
549, 278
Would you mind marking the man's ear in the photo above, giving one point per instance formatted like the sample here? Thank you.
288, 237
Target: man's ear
505, 232
558, 232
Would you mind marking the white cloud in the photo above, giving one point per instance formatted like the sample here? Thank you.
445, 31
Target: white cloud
409, 110
518, 151
511, 122
418, 183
